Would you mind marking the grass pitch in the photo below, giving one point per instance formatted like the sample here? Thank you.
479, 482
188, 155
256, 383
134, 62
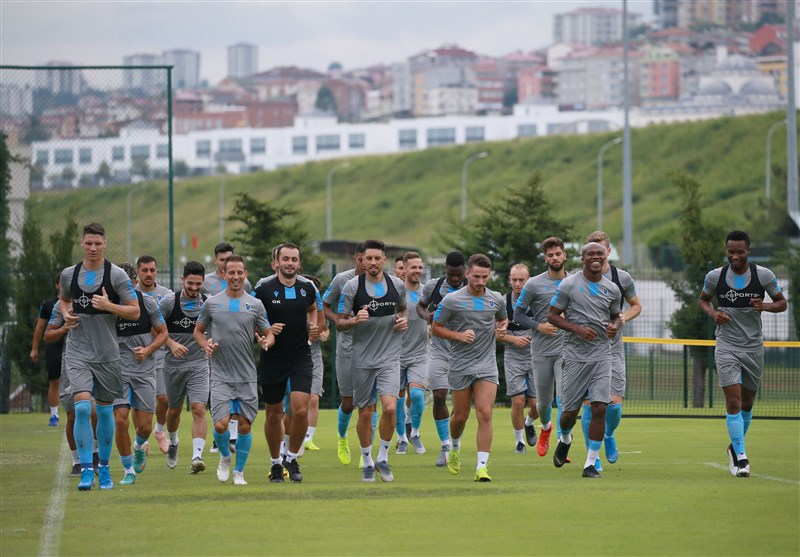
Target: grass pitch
669, 494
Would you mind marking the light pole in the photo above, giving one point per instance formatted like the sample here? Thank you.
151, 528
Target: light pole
481, 155
328, 191
615, 141
768, 173
134, 189
222, 210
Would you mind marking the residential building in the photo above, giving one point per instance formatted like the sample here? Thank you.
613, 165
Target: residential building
594, 79
60, 78
726, 13
446, 55
594, 26
186, 67
435, 77
768, 40
148, 81
242, 59
16, 100
452, 99
488, 75
536, 83
666, 12
402, 87
659, 78
281, 82
776, 67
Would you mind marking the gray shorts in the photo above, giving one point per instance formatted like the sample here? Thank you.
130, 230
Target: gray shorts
161, 386
414, 371
65, 390
102, 379
139, 392
580, 377
547, 372
193, 381
461, 382
384, 380
739, 367
618, 374
234, 398
319, 370
438, 369
344, 374
519, 378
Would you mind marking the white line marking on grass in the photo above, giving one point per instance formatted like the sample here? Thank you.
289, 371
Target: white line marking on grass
762, 476
630, 452
54, 514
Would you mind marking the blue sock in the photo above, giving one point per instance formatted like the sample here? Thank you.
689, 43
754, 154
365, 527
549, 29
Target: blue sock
443, 429
594, 445
222, 440
141, 440
548, 415
127, 461
417, 406
343, 422
243, 444
736, 431
84, 436
746, 417
613, 417
375, 424
105, 432
586, 419
400, 426
558, 417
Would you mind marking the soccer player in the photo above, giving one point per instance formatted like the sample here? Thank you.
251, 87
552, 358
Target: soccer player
147, 271
399, 268
547, 342
477, 318
235, 317
185, 365
344, 347
518, 364
586, 305
93, 294
319, 369
377, 303
52, 354
439, 351
627, 288
292, 311
138, 342
413, 359
738, 289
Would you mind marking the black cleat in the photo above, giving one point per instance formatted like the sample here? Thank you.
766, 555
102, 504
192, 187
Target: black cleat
743, 468
294, 470
733, 462
560, 454
530, 435
591, 472
276, 474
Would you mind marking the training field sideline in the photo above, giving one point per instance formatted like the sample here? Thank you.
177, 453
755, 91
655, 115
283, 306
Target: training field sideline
670, 493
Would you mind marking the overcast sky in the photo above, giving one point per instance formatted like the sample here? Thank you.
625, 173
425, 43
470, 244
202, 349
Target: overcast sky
308, 34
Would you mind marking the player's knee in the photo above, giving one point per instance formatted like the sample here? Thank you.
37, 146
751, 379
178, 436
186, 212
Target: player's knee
517, 402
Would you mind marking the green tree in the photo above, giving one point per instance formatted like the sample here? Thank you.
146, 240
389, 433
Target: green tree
265, 226
180, 168
700, 242
68, 176
326, 102
139, 167
5, 225
104, 174
36, 131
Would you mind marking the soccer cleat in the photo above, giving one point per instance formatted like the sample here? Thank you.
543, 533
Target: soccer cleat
294, 470
104, 480
520, 448
733, 462
310, 446
597, 465
129, 479
402, 447
419, 448
238, 478
53, 421
224, 469
743, 468
343, 450
612, 453
276, 474
163, 442
442, 460
530, 435
76, 471
543, 445
87, 479
591, 472
214, 448
560, 454
368, 474
172, 456
454, 461
232, 447
139, 460
385, 471
197, 466
482, 475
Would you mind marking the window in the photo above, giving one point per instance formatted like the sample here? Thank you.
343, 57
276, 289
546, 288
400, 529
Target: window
475, 133
441, 136
162, 151
118, 153
554, 128
43, 157
230, 145
63, 156
85, 155
357, 141
140, 152
529, 130
258, 146
328, 143
203, 149
300, 145
407, 139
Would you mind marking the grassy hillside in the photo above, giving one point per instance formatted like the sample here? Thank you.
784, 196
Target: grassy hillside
404, 199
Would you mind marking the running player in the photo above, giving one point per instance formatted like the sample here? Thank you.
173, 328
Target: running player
52, 354
739, 288
319, 369
399, 268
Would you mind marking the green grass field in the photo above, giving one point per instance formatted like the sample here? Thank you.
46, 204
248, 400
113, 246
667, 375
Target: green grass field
669, 494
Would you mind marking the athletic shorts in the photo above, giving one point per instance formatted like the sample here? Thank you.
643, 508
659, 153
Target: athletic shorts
298, 368
581, 378
618, 374
384, 380
548, 372
344, 374
438, 369
52, 363
65, 392
743, 368
161, 386
139, 392
191, 381
461, 382
319, 370
519, 378
414, 371
104, 379
234, 398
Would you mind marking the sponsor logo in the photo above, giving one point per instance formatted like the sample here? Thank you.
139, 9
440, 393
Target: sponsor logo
733, 295
122, 325
185, 322
375, 304
276, 301
276, 293
83, 301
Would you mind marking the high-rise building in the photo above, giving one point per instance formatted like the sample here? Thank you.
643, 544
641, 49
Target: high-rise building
56, 80
666, 12
242, 60
594, 26
149, 81
186, 67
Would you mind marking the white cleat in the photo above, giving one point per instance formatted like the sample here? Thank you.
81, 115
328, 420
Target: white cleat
238, 478
224, 469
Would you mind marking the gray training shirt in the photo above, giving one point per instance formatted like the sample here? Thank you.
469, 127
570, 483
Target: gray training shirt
461, 311
158, 294
744, 332
628, 292
511, 352
213, 284
191, 308
415, 339
537, 294
588, 304
127, 361
439, 346
344, 339
95, 337
235, 322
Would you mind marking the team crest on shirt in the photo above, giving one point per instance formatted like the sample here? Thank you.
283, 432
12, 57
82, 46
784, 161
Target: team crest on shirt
605, 290
303, 292
275, 292
247, 307
492, 304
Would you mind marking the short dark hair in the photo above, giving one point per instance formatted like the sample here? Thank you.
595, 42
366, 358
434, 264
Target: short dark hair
94, 228
222, 247
289, 245
552, 242
129, 269
479, 260
145, 259
315, 280
738, 236
57, 278
454, 259
194, 268
398, 259
410, 255
374, 244
235, 258
360, 247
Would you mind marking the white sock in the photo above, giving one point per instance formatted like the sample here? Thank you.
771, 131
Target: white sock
137, 446
310, 433
546, 427
198, 445
278, 460
75, 458
173, 437
566, 438
54, 411
285, 445
528, 420
402, 438
414, 432
483, 459
383, 452
455, 443
366, 452
408, 416
591, 457
130, 471
519, 435
159, 428
233, 428
290, 456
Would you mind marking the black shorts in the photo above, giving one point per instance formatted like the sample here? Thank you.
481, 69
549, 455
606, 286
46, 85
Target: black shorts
52, 363
278, 371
